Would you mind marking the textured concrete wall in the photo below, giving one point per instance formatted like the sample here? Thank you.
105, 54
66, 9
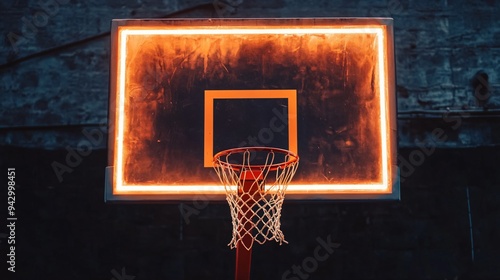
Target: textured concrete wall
55, 71
58, 78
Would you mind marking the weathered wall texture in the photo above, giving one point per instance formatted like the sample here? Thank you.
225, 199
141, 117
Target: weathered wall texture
55, 69
54, 90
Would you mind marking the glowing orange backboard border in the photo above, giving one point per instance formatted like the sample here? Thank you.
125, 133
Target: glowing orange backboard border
388, 188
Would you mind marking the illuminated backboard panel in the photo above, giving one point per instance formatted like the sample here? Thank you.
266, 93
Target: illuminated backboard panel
183, 90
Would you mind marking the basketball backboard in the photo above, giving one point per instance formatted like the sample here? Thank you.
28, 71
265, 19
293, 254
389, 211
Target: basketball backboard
182, 90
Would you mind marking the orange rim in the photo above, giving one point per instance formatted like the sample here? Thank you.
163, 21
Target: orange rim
290, 156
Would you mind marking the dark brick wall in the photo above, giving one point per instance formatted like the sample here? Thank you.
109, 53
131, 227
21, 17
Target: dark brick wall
55, 83
55, 56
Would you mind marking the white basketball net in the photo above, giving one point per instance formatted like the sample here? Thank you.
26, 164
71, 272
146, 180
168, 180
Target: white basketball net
261, 221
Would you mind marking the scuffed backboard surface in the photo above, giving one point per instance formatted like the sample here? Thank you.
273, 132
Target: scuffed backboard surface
334, 76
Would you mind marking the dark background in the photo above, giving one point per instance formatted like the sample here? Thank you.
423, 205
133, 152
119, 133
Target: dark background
54, 87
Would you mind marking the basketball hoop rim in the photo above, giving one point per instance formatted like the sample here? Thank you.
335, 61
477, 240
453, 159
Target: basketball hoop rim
292, 158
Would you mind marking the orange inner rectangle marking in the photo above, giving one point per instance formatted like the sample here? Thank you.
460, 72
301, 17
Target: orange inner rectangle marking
211, 95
